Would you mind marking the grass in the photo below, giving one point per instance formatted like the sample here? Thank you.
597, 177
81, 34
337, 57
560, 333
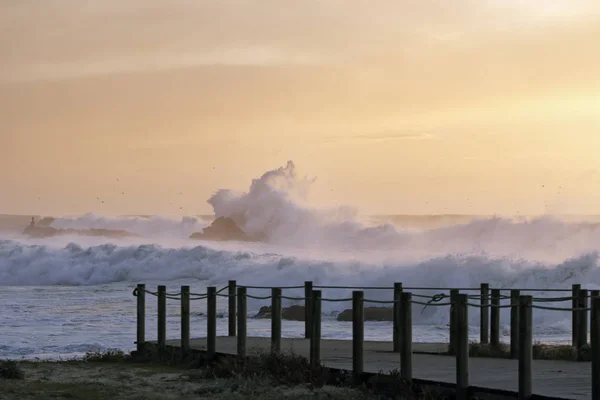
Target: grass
111, 356
263, 375
282, 369
294, 371
539, 351
114, 375
11, 370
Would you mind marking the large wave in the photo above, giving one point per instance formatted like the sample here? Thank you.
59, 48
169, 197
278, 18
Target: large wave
275, 208
199, 266
331, 242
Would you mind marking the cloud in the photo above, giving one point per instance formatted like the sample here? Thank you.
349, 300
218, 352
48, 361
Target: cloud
396, 136
160, 61
386, 136
62, 39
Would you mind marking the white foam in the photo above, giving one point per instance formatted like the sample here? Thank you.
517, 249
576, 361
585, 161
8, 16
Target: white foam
151, 227
326, 246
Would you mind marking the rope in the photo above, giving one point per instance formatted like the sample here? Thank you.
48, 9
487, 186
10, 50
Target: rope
172, 294
199, 298
223, 288
552, 299
135, 292
421, 296
271, 287
354, 287
487, 296
226, 295
561, 309
336, 300
489, 305
429, 303
438, 288
542, 290
258, 297
294, 298
381, 301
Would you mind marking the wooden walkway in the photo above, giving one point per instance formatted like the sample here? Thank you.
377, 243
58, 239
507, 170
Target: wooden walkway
559, 379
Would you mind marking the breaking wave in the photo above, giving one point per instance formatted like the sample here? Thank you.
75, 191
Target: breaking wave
25, 264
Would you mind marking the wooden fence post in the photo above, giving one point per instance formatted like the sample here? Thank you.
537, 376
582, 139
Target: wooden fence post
574, 314
185, 321
241, 321
358, 335
231, 312
406, 337
162, 317
484, 313
307, 308
452, 346
525, 347
514, 323
595, 327
315, 337
582, 323
276, 320
141, 317
495, 318
462, 347
211, 321
396, 329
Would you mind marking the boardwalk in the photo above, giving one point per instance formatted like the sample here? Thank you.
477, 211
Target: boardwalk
563, 379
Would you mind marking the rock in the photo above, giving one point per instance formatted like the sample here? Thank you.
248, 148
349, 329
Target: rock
264, 312
222, 228
292, 313
48, 231
370, 314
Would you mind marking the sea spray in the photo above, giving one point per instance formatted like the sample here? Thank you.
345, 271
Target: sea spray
150, 227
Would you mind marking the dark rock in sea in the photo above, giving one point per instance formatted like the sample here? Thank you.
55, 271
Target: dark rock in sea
222, 228
292, 313
38, 231
370, 314
264, 312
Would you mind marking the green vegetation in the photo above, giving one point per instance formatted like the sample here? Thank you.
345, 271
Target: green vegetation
106, 356
115, 375
10, 370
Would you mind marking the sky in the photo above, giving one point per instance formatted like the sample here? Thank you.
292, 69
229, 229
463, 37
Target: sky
406, 107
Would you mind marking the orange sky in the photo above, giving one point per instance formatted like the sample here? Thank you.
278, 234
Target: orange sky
417, 106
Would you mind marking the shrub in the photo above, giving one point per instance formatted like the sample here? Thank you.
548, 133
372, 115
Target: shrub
11, 370
106, 356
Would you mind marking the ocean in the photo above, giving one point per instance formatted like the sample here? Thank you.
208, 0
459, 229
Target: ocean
65, 295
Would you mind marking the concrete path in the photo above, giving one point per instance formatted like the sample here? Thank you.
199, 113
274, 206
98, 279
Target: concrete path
564, 379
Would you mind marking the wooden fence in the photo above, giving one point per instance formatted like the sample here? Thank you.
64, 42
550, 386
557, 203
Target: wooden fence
490, 303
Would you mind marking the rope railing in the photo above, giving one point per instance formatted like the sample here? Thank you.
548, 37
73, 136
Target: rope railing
433, 298
354, 287
491, 305
584, 309
294, 298
336, 300
489, 302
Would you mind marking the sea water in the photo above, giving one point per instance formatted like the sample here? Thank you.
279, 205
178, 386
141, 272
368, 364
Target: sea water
66, 295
